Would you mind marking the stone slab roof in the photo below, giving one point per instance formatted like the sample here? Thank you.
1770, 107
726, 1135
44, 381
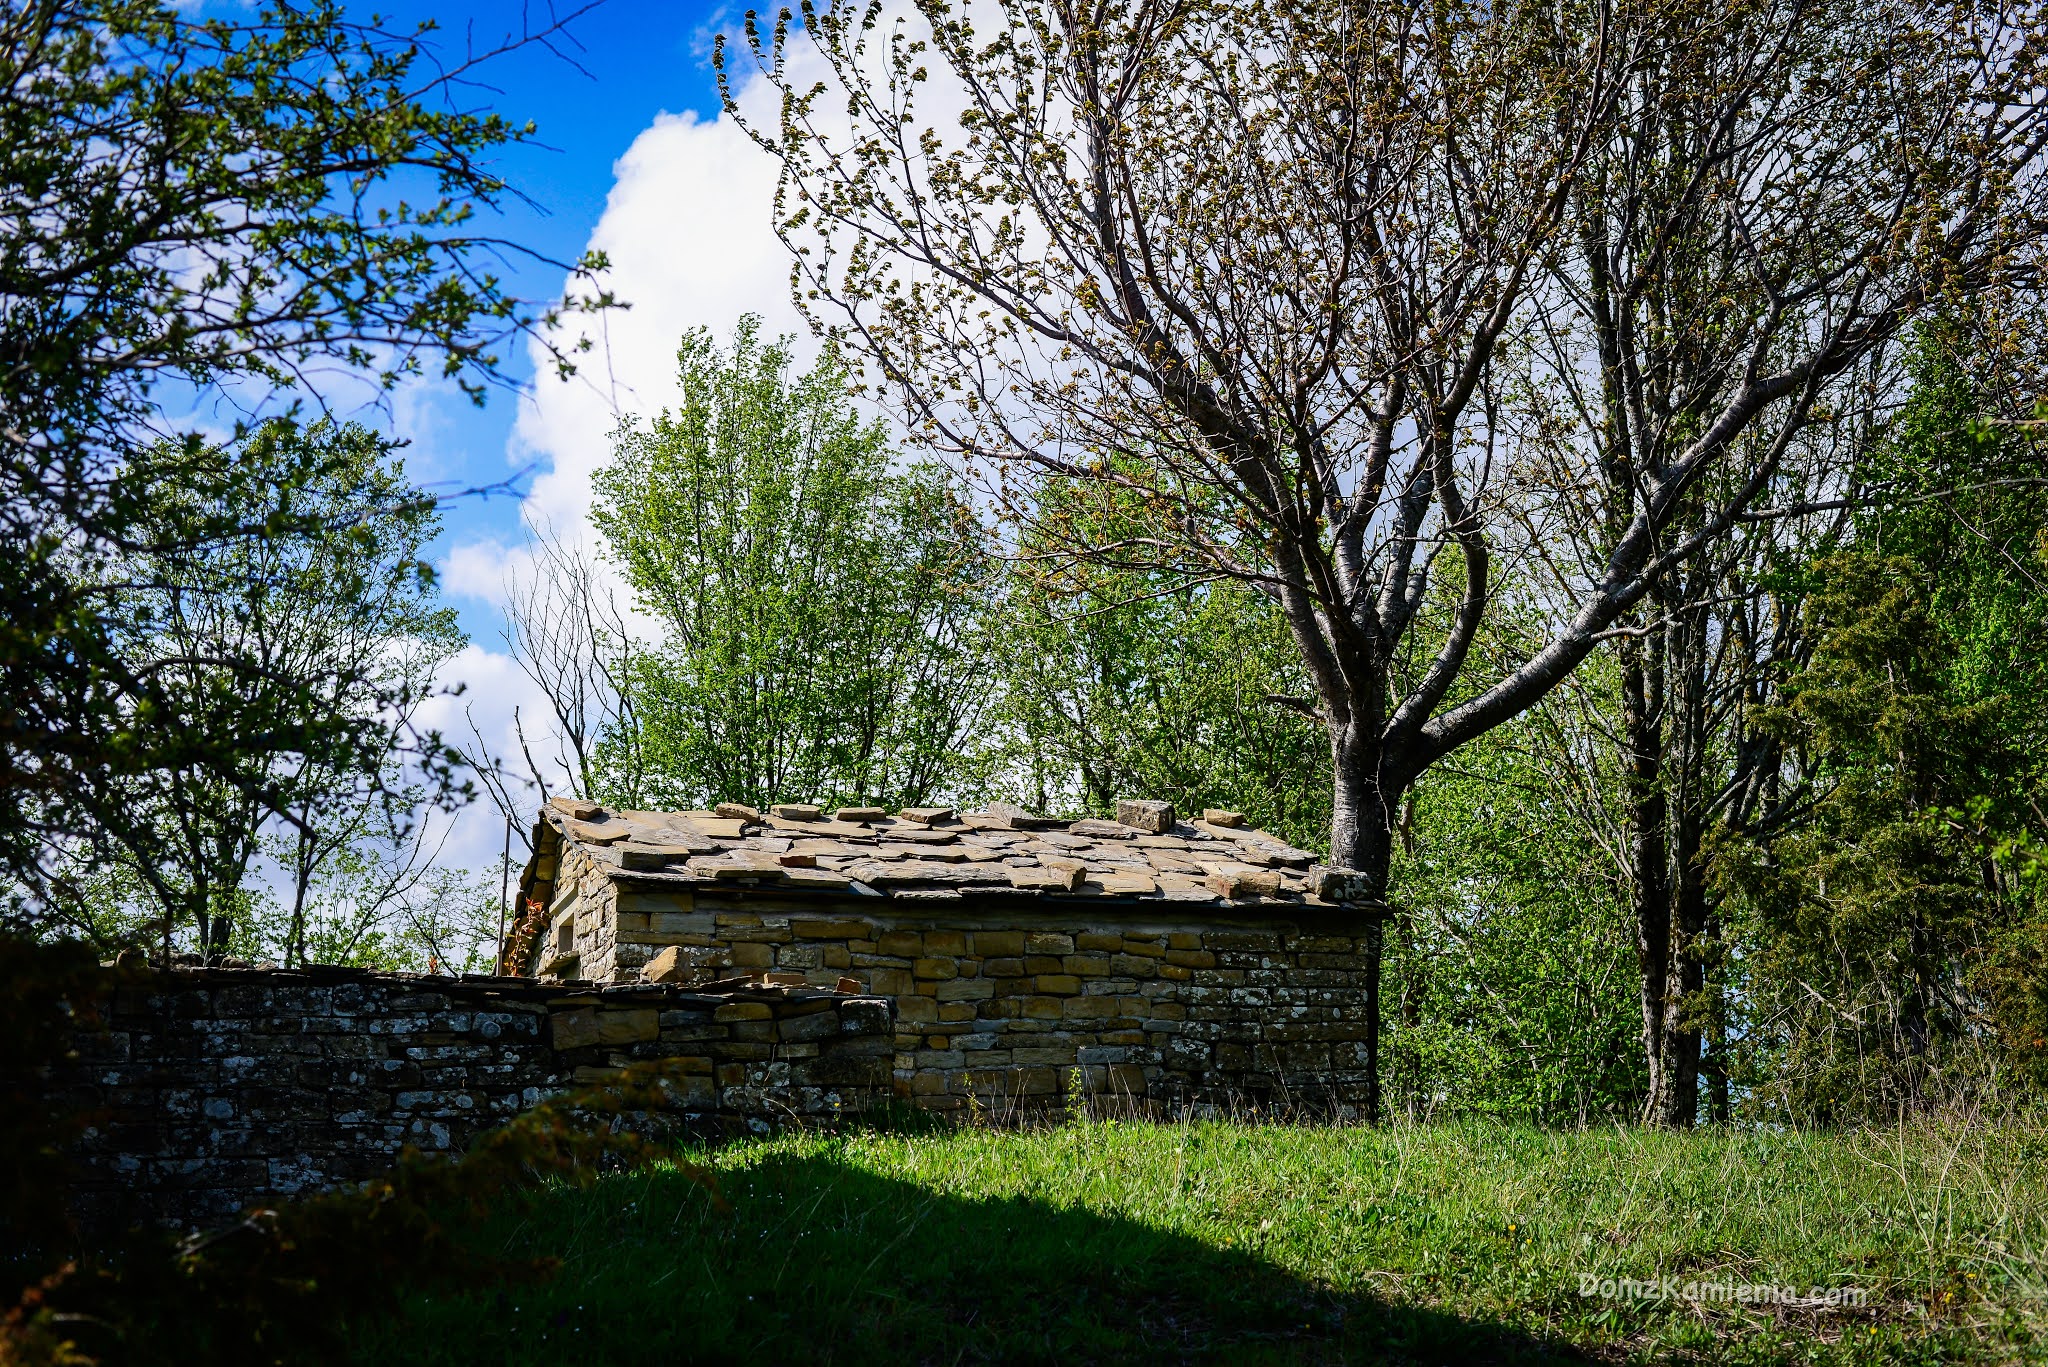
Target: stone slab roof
941, 854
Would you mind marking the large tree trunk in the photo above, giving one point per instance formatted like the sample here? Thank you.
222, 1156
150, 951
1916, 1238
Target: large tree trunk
1362, 839
1665, 724
1675, 1102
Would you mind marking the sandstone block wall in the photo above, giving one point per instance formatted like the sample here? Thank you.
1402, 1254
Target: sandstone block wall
1005, 1008
210, 1089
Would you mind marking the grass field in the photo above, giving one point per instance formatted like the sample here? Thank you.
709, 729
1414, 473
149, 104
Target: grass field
1100, 1242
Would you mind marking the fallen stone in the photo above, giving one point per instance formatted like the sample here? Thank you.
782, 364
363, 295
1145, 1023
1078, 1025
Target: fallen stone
668, 967
652, 856
1146, 814
1248, 883
1040, 878
1340, 885
1013, 817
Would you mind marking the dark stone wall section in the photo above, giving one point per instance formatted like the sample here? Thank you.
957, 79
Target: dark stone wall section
211, 1089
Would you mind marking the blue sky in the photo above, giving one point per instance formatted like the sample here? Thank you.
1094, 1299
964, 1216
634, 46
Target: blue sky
638, 60
633, 156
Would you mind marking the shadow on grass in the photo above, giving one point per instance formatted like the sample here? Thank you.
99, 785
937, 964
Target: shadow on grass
821, 1261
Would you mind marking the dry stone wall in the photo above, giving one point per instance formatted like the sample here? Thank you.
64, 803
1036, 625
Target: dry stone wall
1006, 1008
209, 1089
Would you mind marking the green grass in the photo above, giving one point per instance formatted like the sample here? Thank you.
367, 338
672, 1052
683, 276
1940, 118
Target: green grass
1249, 1243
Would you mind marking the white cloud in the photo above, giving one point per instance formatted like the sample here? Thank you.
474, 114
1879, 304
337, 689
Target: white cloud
689, 232
493, 693
688, 228
690, 235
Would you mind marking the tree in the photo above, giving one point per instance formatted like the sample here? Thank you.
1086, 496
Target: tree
218, 210
1509, 968
1310, 266
1887, 917
1117, 682
819, 609
1873, 917
333, 616
567, 632
353, 612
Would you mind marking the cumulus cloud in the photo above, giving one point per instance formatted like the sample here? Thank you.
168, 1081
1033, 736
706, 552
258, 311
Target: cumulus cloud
689, 234
688, 229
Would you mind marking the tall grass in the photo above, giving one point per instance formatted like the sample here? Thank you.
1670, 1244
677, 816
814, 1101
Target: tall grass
1115, 1242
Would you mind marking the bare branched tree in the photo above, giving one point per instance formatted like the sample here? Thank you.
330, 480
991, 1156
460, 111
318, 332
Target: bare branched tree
568, 634
1297, 277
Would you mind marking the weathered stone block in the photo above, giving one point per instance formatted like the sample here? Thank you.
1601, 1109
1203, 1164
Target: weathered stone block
1146, 815
628, 1027
829, 930
575, 1029
890, 982
907, 944
819, 1025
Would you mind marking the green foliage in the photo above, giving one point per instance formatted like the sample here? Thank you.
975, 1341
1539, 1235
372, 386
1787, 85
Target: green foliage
372, 906
210, 208
323, 636
1963, 500
1873, 921
1511, 976
1219, 1242
1130, 680
291, 1284
1890, 936
819, 604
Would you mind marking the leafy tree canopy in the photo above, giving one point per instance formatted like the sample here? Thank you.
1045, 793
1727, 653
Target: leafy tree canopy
818, 602
222, 210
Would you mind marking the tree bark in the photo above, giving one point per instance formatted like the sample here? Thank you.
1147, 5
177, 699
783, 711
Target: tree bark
1665, 706
1362, 839
1643, 733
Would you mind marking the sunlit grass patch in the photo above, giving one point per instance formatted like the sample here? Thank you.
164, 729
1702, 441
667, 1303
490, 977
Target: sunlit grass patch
1131, 1242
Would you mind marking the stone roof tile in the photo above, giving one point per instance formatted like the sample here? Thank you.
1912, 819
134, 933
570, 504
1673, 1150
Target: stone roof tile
935, 852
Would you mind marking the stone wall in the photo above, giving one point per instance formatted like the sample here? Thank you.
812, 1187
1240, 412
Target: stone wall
1002, 1007
210, 1089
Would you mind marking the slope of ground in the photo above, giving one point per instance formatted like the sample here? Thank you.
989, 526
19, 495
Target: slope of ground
1098, 1242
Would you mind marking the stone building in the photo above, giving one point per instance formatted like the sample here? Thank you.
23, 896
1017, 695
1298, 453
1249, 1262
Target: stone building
1162, 962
